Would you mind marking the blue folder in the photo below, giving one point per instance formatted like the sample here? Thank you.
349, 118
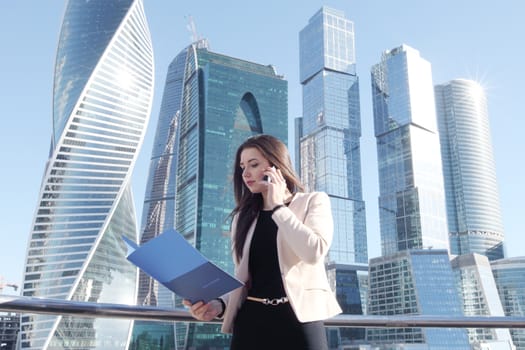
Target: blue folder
176, 264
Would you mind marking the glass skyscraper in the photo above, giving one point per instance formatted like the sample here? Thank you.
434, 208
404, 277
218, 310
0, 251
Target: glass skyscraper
411, 192
479, 297
331, 128
329, 148
473, 207
415, 282
414, 275
350, 283
211, 104
508, 274
102, 96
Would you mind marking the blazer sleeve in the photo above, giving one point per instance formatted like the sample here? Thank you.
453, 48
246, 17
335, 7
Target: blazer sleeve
311, 238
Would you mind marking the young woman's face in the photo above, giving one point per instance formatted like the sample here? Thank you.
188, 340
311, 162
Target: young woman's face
253, 165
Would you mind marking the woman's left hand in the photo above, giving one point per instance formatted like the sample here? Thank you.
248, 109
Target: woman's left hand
204, 311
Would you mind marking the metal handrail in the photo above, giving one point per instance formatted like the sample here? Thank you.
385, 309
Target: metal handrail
11, 303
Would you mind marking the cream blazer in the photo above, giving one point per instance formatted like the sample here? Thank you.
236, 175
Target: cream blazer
304, 235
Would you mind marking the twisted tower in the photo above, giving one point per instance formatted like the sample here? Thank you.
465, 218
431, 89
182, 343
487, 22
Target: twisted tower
102, 96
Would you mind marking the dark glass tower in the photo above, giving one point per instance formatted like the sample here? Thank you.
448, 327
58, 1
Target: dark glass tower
211, 104
102, 96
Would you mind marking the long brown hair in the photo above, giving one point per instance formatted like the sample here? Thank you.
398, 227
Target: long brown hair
248, 204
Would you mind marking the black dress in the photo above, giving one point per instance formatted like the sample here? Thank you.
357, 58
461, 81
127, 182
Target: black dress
258, 326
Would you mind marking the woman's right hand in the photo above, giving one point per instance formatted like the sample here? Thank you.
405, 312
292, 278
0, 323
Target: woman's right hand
202, 311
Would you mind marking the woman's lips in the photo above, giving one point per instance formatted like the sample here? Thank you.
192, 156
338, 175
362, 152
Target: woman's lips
250, 183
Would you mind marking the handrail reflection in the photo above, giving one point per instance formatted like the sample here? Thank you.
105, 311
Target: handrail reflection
10, 303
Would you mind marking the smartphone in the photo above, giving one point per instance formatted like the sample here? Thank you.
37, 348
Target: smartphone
266, 177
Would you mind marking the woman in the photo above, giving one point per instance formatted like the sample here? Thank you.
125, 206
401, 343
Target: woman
280, 238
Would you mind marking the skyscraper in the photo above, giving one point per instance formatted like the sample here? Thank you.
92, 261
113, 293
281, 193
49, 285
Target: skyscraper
508, 274
405, 283
414, 239
473, 211
411, 193
9, 327
102, 96
331, 128
479, 297
211, 104
330, 151
473, 208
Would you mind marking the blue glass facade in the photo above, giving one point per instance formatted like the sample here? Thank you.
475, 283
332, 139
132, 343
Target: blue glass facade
411, 191
479, 297
331, 128
350, 285
329, 147
473, 208
405, 283
508, 274
411, 206
102, 97
211, 104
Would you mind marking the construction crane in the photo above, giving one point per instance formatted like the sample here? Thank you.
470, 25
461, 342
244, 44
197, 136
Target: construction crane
196, 39
191, 28
2, 285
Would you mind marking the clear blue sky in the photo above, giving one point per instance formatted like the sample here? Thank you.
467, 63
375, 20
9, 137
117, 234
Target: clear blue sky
481, 40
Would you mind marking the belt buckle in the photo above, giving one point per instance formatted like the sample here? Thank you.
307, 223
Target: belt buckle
275, 302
